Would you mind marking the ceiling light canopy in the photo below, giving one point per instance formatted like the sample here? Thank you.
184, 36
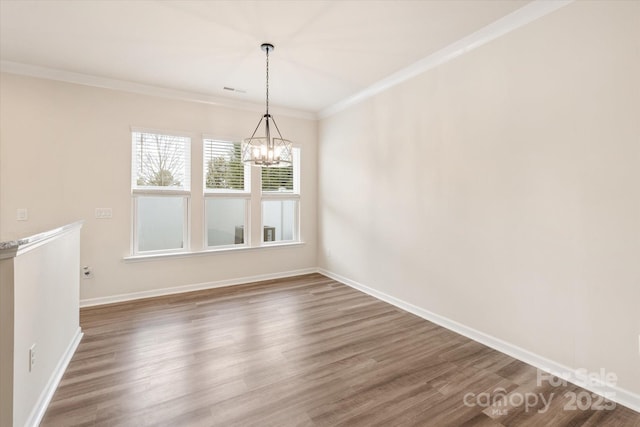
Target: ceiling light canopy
267, 151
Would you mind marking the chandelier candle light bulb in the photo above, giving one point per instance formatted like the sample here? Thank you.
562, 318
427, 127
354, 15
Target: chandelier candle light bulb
267, 151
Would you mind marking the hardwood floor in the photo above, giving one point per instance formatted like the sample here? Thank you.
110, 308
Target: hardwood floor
300, 351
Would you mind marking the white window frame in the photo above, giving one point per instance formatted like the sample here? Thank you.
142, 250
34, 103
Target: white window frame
210, 193
186, 223
247, 221
252, 195
284, 196
137, 193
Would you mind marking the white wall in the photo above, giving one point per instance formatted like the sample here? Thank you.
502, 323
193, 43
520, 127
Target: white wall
65, 150
45, 313
501, 190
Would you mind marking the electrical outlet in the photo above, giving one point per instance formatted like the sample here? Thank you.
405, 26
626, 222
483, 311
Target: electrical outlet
87, 272
32, 357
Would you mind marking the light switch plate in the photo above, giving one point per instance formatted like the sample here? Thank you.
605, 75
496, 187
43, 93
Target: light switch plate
104, 213
22, 214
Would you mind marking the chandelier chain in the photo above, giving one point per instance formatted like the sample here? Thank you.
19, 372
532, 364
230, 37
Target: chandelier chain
267, 151
267, 81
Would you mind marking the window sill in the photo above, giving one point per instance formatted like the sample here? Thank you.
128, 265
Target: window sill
227, 250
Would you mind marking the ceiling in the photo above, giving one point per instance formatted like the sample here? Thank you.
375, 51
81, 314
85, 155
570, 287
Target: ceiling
326, 51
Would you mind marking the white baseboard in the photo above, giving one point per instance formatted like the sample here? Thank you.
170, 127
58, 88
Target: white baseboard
90, 302
575, 376
572, 375
47, 393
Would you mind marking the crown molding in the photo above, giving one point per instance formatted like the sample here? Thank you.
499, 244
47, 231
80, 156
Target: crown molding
142, 89
519, 18
516, 19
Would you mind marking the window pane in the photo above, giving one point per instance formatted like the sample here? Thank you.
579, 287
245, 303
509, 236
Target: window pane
276, 179
225, 221
160, 161
279, 218
223, 167
160, 224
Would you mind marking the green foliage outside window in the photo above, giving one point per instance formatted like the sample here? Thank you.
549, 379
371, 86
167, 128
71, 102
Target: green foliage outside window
277, 179
226, 170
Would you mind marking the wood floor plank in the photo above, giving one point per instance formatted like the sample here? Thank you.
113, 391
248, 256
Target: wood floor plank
301, 351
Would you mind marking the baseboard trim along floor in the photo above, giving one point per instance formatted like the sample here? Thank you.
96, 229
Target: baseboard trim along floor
308, 350
574, 376
47, 393
90, 302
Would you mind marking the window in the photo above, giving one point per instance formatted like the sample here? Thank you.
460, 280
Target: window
243, 206
280, 200
227, 196
279, 219
160, 222
160, 186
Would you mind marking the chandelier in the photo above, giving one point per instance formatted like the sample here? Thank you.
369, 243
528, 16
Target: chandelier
267, 151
